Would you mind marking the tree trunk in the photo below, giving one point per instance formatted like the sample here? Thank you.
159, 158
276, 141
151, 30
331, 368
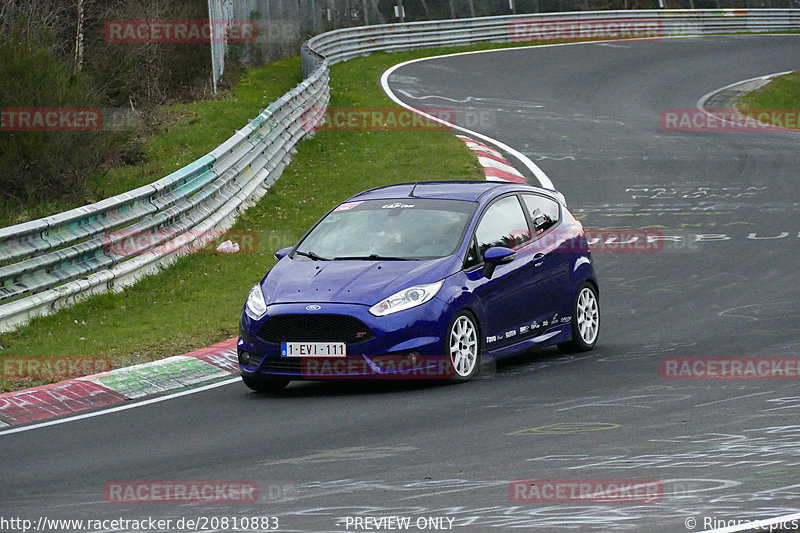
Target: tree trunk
78, 66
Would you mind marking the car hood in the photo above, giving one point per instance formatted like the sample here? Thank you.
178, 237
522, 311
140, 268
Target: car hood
350, 281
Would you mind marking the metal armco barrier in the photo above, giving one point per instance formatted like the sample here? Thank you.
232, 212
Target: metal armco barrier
343, 44
55, 261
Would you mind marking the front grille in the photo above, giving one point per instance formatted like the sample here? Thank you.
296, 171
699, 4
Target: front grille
315, 328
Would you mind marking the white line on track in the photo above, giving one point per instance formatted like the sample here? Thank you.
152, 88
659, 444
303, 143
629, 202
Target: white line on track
120, 407
702, 101
435, 96
544, 180
733, 398
538, 172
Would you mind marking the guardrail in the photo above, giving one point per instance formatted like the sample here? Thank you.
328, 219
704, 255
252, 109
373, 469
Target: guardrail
52, 262
343, 44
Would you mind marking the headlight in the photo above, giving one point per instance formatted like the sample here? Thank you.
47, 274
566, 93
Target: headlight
406, 299
256, 305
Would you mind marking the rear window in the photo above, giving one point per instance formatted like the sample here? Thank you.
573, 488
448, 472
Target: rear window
544, 212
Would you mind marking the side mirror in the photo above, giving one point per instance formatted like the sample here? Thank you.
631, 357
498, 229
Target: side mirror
496, 255
283, 252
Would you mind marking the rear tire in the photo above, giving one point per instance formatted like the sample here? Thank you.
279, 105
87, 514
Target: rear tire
585, 321
267, 385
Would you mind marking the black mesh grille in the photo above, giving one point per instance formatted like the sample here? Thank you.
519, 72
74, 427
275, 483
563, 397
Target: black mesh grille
284, 364
315, 328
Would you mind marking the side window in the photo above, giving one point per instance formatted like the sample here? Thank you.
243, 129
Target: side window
543, 211
503, 224
473, 257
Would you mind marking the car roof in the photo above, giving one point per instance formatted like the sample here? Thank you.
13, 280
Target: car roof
471, 191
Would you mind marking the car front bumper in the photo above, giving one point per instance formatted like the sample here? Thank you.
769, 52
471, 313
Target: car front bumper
407, 344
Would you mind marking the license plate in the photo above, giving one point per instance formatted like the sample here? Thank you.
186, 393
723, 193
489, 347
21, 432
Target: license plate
313, 349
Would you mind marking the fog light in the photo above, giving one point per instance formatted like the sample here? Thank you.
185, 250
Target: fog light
247, 358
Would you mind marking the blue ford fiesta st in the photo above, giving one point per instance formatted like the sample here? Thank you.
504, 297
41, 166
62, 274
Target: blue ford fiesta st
422, 280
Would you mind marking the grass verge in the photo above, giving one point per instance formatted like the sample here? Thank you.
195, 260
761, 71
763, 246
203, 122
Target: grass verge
781, 97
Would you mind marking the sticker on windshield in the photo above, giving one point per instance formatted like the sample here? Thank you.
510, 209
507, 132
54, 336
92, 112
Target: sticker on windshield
396, 205
347, 206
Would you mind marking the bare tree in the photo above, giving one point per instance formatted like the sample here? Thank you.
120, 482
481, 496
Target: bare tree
78, 64
36, 19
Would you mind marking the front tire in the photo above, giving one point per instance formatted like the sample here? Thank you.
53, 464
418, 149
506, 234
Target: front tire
585, 321
267, 385
463, 347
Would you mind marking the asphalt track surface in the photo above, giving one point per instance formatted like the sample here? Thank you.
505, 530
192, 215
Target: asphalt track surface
589, 116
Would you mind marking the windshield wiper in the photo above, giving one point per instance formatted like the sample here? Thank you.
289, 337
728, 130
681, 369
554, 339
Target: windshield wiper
370, 257
311, 255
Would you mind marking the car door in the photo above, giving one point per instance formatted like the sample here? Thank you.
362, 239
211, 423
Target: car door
512, 298
553, 246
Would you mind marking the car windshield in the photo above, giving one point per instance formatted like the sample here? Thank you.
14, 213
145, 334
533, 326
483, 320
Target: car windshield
406, 229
